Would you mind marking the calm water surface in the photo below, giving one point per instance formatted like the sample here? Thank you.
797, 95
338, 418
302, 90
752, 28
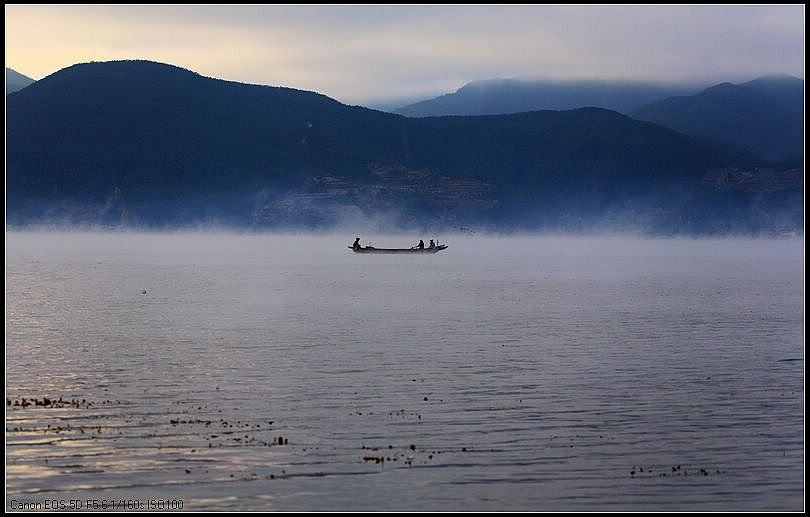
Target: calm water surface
244, 372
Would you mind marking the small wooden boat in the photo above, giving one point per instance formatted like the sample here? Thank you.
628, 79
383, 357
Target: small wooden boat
372, 249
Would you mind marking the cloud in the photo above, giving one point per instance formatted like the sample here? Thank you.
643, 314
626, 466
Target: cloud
359, 52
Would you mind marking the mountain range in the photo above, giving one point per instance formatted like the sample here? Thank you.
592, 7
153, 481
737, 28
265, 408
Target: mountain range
149, 145
764, 116
16, 81
501, 96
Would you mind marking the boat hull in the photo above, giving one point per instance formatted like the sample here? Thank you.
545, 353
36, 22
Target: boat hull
412, 251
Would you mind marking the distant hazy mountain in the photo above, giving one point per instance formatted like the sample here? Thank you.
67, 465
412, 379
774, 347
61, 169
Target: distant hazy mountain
16, 81
764, 116
500, 96
137, 143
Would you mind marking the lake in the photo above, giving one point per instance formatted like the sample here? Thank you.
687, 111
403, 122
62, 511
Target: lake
228, 372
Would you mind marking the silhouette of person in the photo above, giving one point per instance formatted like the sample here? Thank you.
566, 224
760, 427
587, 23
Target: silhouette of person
432, 244
421, 244
356, 243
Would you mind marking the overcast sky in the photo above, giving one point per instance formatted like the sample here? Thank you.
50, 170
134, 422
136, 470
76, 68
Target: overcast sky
366, 54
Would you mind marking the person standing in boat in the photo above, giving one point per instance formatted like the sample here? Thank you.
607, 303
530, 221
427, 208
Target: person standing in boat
356, 244
432, 244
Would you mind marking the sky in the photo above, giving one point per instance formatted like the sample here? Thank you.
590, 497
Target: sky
377, 55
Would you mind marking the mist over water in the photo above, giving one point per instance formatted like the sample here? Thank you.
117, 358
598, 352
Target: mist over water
284, 372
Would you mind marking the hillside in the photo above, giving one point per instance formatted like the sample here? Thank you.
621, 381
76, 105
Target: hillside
145, 144
764, 116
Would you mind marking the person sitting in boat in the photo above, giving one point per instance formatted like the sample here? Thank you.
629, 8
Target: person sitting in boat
432, 244
421, 245
356, 244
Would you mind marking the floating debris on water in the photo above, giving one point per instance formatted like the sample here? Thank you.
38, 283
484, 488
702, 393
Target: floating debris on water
47, 402
675, 470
